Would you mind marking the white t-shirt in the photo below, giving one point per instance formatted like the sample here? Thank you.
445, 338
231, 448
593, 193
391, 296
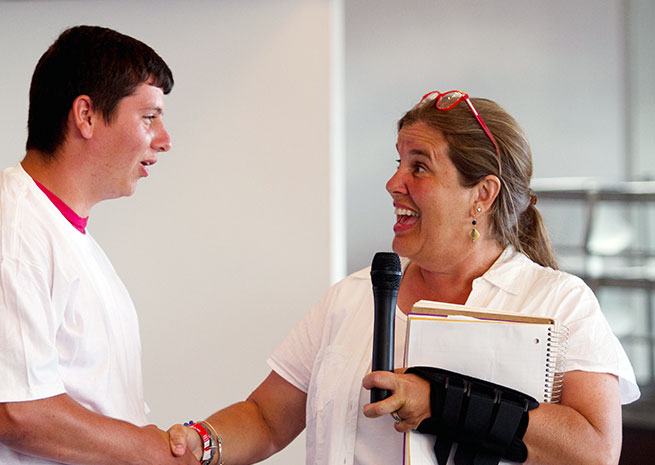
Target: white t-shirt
329, 352
67, 322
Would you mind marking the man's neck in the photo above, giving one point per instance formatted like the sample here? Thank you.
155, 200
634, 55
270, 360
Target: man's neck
59, 178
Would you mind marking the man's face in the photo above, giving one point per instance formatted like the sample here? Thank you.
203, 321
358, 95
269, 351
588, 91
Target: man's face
128, 145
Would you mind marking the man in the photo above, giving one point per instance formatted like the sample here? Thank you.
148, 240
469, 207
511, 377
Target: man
70, 383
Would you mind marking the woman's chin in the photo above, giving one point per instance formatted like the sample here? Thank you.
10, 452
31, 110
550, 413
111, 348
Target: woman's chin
401, 247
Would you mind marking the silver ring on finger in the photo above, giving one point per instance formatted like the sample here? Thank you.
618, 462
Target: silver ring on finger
396, 417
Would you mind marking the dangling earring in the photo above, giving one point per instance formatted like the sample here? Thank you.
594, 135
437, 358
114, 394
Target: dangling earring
474, 233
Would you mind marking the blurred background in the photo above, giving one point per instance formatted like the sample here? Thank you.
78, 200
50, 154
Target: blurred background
283, 126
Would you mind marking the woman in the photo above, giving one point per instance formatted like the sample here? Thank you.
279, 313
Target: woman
469, 233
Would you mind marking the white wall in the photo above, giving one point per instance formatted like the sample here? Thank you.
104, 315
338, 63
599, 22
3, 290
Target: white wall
558, 66
226, 244
641, 87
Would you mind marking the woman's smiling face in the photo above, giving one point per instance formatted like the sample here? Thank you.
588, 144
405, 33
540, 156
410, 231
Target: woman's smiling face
433, 210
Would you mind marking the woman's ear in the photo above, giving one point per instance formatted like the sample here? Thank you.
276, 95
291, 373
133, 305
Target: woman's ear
83, 116
486, 192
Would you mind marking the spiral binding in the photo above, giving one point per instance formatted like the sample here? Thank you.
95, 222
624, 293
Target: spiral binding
555, 359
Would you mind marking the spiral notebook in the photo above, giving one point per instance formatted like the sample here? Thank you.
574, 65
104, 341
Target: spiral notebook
522, 352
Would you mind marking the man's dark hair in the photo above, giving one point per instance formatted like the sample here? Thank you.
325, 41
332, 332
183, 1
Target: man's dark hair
87, 60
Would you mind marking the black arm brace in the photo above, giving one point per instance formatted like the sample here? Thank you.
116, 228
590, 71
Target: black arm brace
486, 420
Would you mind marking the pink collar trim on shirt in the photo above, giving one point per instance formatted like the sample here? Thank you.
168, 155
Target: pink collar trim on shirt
77, 221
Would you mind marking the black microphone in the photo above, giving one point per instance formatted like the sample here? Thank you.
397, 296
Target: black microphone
385, 277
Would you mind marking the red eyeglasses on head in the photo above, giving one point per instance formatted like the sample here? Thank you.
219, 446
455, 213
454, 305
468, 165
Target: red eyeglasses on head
449, 100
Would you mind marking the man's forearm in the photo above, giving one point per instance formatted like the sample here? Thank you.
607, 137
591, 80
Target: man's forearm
60, 429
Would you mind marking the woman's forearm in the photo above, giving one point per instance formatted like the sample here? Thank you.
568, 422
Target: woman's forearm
585, 429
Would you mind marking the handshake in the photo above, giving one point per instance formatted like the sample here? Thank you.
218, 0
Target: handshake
188, 444
191, 444
198, 439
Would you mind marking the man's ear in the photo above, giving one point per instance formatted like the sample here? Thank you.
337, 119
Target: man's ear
83, 116
486, 192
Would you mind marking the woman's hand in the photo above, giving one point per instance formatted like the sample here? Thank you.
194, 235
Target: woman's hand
182, 438
410, 398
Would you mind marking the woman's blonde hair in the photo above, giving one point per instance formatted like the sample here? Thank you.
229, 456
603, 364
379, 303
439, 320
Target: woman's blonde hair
515, 219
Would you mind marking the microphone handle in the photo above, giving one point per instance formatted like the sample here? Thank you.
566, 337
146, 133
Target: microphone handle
383, 336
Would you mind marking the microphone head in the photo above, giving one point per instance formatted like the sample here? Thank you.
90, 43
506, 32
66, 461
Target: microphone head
385, 271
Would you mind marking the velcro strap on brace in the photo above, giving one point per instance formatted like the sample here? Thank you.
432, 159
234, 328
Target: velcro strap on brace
486, 420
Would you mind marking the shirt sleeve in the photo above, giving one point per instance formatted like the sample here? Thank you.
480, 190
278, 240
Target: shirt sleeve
592, 345
28, 330
294, 358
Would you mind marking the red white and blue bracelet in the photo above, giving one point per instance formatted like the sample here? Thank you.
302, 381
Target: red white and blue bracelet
212, 442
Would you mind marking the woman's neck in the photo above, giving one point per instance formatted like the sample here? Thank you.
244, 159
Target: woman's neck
446, 284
